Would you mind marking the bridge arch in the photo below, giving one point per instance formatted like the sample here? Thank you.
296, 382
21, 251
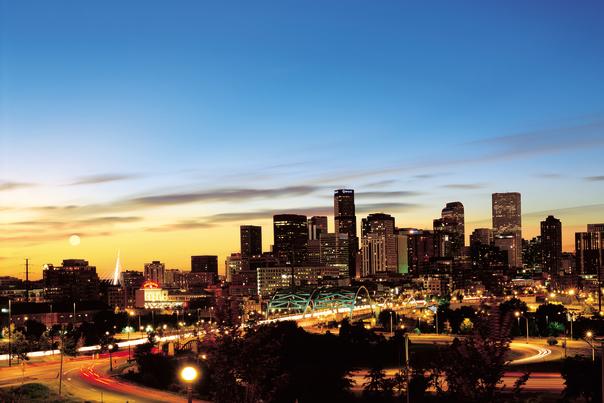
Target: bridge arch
310, 301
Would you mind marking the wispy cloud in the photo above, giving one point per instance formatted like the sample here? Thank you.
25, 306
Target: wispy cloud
386, 194
595, 178
182, 226
498, 148
102, 178
219, 195
5, 185
379, 184
549, 176
465, 186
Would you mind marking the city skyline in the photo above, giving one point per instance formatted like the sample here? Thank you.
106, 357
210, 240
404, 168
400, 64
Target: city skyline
163, 129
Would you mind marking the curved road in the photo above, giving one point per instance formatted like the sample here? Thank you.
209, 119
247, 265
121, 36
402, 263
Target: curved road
85, 378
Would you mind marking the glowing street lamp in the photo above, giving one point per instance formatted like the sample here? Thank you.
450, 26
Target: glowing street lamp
189, 374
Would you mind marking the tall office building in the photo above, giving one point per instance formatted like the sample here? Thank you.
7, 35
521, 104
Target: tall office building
483, 236
595, 227
251, 241
589, 252
155, 271
421, 249
377, 223
74, 281
204, 269
131, 281
317, 225
334, 251
291, 238
453, 224
346, 223
551, 244
507, 222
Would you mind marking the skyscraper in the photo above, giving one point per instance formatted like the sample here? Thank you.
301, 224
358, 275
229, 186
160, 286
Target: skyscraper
595, 227
251, 241
453, 221
317, 225
155, 271
377, 223
290, 238
589, 252
507, 221
75, 280
482, 235
204, 269
551, 244
346, 223
334, 251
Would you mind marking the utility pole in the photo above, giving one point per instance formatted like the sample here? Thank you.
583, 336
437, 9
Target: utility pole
10, 319
26, 280
407, 364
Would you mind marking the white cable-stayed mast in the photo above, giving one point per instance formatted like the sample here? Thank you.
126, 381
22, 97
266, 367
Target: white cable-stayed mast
118, 270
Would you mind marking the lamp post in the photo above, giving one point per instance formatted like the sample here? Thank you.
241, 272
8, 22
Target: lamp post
189, 374
588, 339
391, 333
518, 314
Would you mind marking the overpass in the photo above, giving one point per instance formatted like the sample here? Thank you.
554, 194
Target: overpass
309, 306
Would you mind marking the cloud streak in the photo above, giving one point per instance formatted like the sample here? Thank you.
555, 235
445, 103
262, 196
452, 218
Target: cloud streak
102, 178
465, 186
5, 185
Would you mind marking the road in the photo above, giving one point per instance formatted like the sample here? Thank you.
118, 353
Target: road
534, 351
85, 378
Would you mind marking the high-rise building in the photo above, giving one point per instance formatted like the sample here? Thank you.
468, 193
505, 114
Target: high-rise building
251, 241
204, 269
379, 253
233, 266
509, 243
482, 235
346, 223
175, 278
453, 224
420, 247
155, 271
131, 281
507, 220
291, 238
317, 225
595, 227
551, 244
589, 252
74, 281
334, 251
377, 223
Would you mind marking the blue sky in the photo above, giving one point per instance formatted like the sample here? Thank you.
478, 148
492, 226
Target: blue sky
102, 102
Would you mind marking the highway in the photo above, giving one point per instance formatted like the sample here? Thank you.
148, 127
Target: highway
85, 378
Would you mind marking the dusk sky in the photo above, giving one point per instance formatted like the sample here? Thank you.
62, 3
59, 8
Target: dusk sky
158, 130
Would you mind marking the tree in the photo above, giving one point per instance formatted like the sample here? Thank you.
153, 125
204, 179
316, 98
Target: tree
466, 326
473, 367
582, 378
555, 329
384, 319
377, 385
34, 329
20, 346
70, 340
548, 313
511, 306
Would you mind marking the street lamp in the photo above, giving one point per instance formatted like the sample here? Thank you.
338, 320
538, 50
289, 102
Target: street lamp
518, 314
189, 374
589, 338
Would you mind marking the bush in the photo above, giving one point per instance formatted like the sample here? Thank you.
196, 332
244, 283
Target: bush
552, 341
